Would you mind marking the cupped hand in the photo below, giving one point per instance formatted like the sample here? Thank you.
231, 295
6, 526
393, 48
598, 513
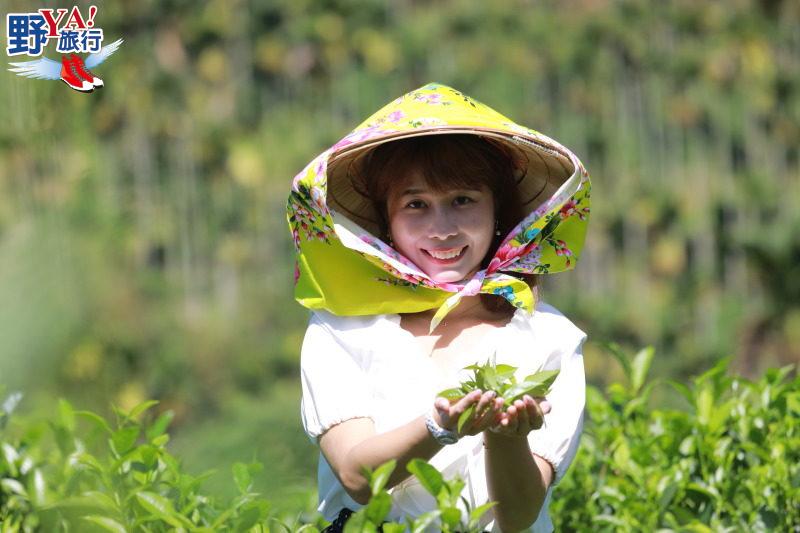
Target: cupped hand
522, 417
487, 412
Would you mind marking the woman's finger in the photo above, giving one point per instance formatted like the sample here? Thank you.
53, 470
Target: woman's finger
511, 421
524, 422
486, 400
544, 405
535, 414
488, 415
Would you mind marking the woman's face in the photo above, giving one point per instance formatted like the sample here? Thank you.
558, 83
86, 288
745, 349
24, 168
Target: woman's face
446, 234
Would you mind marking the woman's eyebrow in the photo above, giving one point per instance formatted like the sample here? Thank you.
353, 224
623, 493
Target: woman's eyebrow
412, 191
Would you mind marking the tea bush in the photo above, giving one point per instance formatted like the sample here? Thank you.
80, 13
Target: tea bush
729, 462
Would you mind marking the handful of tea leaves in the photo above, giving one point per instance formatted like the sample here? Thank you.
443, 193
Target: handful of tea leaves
501, 379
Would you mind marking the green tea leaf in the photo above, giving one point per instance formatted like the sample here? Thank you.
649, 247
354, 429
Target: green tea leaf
451, 516
162, 508
465, 417
241, 475
430, 478
97, 420
476, 514
141, 408
160, 425
66, 414
378, 507
423, 521
381, 476
640, 367
124, 439
452, 394
248, 517
107, 524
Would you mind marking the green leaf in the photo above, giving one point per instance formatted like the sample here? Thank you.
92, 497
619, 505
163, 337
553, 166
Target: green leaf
37, 488
241, 475
141, 408
714, 372
685, 391
465, 417
66, 414
381, 476
451, 394
97, 420
107, 524
161, 508
423, 521
160, 425
378, 507
12, 485
476, 514
641, 365
149, 455
430, 478
358, 523
451, 516
124, 439
615, 350
248, 517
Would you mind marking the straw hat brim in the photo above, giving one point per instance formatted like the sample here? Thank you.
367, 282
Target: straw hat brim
542, 169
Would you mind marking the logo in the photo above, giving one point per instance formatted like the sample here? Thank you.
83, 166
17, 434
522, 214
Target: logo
28, 34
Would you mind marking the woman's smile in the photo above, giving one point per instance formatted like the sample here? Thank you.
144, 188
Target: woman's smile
445, 233
446, 256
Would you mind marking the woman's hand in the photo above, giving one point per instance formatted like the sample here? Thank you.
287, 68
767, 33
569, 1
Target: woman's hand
524, 416
488, 409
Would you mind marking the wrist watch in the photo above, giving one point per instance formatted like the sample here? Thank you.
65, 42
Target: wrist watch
442, 435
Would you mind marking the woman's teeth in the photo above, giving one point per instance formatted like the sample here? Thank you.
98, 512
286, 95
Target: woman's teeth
445, 255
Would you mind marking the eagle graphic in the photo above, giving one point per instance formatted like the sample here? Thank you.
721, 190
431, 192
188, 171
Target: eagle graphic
72, 69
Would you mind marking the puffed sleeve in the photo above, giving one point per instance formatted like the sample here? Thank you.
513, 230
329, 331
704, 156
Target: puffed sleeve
334, 384
557, 441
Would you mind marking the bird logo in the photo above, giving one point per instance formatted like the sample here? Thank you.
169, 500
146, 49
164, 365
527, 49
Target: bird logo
72, 69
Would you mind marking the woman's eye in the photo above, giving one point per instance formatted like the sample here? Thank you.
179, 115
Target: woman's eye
415, 204
461, 200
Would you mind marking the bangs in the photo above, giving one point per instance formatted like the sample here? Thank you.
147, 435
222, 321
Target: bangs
445, 162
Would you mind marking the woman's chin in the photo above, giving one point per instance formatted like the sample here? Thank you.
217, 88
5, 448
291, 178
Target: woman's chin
448, 277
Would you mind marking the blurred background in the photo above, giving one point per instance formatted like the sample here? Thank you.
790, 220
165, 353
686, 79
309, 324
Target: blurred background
144, 251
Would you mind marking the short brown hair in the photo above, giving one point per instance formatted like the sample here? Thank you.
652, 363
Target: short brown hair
448, 161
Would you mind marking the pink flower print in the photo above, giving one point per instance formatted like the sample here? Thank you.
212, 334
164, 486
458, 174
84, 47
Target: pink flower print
429, 98
568, 209
562, 250
395, 116
504, 255
296, 272
358, 136
318, 197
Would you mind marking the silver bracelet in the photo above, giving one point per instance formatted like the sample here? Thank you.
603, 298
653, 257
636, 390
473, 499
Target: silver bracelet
443, 436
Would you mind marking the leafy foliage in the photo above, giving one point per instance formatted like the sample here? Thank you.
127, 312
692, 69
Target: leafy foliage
501, 379
729, 462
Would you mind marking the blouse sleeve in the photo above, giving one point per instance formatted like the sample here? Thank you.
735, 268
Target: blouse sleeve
334, 384
557, 441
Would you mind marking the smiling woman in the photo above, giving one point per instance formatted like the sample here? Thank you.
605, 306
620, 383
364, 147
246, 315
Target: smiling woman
419, 236
426, 185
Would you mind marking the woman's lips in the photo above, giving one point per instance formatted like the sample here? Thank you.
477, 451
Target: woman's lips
447, 261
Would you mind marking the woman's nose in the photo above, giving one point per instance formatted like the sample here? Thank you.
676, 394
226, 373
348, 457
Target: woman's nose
442, 224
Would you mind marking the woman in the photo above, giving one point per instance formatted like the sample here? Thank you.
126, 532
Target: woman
434, 220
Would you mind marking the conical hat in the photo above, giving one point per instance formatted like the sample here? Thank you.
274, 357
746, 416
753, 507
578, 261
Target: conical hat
345, 268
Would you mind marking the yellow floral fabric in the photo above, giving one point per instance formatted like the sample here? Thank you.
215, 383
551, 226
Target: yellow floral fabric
344, 269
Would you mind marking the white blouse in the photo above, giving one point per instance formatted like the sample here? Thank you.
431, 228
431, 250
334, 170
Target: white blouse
368, 366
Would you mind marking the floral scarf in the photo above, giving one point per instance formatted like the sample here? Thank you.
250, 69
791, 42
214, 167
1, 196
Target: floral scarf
345, 269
